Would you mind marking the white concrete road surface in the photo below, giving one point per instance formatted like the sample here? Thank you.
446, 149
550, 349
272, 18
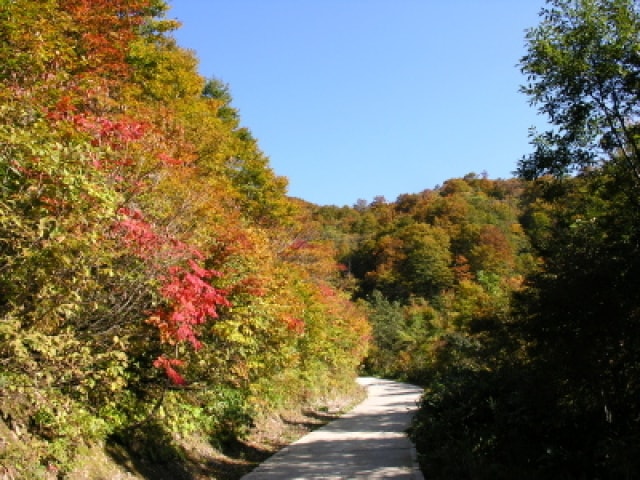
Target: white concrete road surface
369, 442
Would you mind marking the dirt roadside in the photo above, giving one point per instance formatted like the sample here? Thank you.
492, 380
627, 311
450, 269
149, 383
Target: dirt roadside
199, 460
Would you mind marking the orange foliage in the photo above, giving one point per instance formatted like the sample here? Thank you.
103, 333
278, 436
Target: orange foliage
105, 29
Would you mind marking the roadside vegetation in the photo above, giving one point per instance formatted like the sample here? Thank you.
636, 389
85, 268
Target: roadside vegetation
155, 280
167, 311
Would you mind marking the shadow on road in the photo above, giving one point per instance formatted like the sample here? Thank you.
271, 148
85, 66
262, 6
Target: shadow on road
367, 443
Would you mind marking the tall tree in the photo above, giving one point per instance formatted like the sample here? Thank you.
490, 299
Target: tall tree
579, 316
552, 390
583, 68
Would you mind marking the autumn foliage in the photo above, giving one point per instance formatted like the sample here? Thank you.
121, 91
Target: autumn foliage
157, 283
430, 266
141, 234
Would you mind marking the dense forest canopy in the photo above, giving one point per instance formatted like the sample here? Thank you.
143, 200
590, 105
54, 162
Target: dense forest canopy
156, 280
550, 388
157, 283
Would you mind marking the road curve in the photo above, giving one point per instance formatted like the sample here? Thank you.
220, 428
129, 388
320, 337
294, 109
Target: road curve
369, 442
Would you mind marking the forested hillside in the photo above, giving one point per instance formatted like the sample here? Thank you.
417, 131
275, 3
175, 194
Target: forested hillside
431, 266
154, 281
549, 388
157, 283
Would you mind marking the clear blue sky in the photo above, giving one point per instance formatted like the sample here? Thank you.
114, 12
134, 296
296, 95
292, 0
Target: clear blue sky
353, 99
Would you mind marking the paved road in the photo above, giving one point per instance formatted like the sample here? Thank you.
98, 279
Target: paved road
367, 443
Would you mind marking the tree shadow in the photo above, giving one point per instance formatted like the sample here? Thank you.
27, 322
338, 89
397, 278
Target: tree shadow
239, 450
310, 420
150, 453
